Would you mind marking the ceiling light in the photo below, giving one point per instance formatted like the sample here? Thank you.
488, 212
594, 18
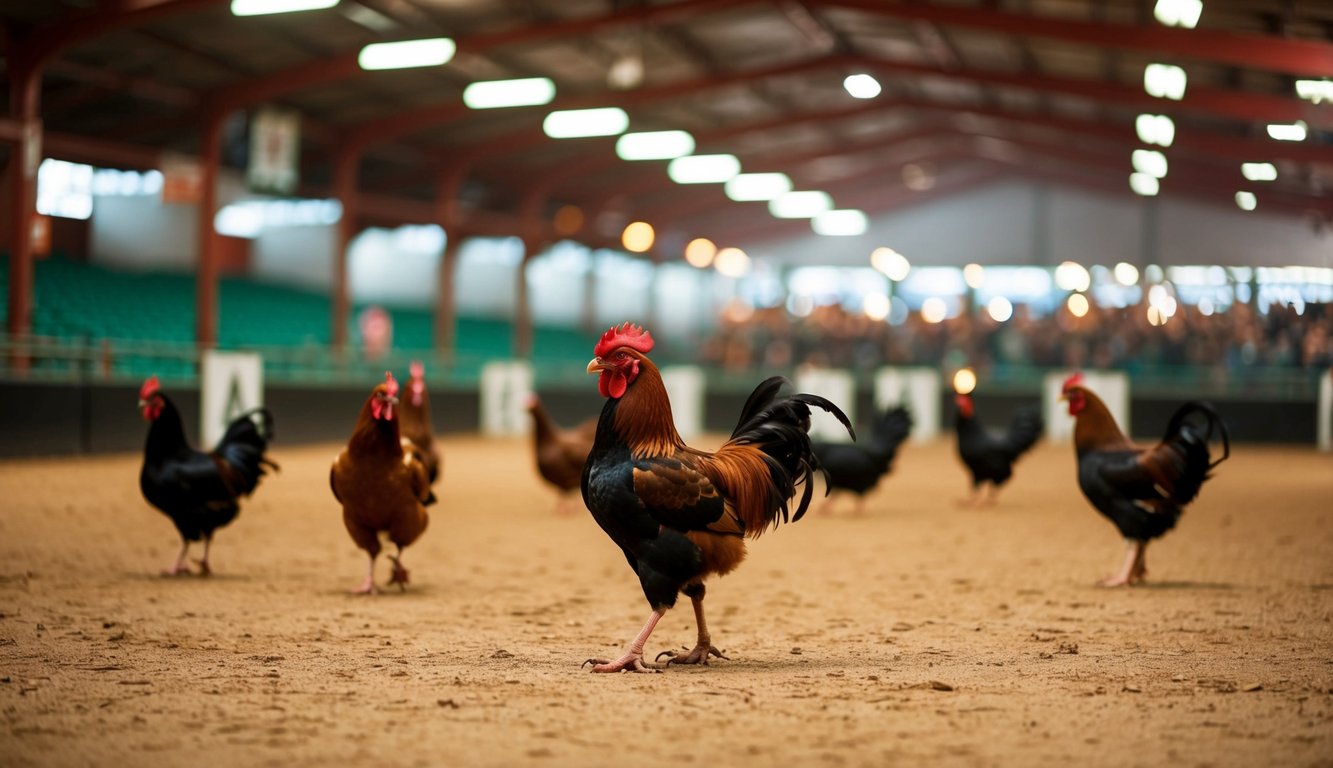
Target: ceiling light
800, 205
1178, 13
847, 222
1259, 171
1143, 184
1287, 132
523, 92
732, 262
1151, 162
758, 186
1315, 90
1126, 274
580, 123
1165, 81
266, 7
1155, 129
934, 310
626, 73
638, 237
1078, 304
974, 275
893, 264
1000, 309
1072, 276
965, 381
654, 145
431, 52
700, 252
1246, 201
703, 169
861, 86
876, 306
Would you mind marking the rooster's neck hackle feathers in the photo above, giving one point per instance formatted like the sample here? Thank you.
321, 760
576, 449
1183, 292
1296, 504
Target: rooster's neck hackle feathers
1094, 427
373, 435
643, 416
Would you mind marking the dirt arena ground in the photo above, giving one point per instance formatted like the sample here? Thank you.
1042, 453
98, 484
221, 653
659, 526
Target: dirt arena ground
919, 632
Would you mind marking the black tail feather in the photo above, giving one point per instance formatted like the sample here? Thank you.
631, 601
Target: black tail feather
243, 445
1213, 419
1024, 432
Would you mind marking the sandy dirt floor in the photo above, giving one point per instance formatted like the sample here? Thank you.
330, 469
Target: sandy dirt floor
919, 632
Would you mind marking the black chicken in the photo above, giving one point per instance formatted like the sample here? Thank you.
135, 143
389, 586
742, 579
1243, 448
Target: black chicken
990, 457
857, 468
199, 491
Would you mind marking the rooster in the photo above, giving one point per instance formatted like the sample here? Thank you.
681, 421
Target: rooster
560, 452
416, 424
199, 491
858, 468
989, 457
382, 486
679, 514
1142, 490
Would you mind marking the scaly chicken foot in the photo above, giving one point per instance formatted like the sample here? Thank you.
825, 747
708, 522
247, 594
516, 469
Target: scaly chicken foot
368, 586
704, 648
204, 569
632, 661
180, 568
399, 574
1133, 570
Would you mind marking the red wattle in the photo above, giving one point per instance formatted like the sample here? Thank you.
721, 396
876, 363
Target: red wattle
612, 384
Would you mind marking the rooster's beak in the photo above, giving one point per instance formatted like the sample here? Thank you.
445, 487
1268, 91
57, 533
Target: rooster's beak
143, 403
596, 365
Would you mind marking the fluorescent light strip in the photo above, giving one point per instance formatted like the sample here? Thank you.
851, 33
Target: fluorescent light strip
861, 86
1287, 132
1143, 184
1259, 171
1155, 129
800, 205
429, 52
758, 186
1165, 81
1151, 162
654, 145
269, 7
497, 94
1246, 201
580, 123
1178, 13
846, 222
703, 169
1315, 90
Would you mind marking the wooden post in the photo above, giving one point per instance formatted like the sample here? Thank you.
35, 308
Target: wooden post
24, 96
345, 170
206, 272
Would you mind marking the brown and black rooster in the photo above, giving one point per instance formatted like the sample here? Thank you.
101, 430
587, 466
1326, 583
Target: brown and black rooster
199, 491
680, 514
1141, 490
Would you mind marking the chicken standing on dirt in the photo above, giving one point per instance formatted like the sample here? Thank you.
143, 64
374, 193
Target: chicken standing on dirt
560, 453
383, 488
414, 412
1141, 490
990, 458
858, 468
199, 491
680, 514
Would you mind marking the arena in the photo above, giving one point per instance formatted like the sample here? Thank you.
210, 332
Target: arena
373, 368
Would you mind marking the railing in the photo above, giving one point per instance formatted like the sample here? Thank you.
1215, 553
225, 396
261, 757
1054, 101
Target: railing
122, 361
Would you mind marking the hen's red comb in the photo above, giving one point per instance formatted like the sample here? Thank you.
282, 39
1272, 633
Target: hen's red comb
390, 386
149, 387
626, 335
418, 370
1075, 380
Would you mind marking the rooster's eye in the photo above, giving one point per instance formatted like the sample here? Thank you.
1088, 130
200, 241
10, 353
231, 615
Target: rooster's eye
623, 356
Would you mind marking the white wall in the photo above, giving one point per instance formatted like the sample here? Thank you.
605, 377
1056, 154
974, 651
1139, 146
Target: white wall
299, 256
142, 233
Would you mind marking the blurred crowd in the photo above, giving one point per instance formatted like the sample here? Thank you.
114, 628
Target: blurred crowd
1238, 339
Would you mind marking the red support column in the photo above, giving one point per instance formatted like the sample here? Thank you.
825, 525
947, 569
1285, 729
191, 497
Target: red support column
25, 91
345, 170
206, 272
446, 305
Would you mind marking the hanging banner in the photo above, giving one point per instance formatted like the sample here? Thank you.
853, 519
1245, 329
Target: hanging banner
232, 383
182, 180
275, 151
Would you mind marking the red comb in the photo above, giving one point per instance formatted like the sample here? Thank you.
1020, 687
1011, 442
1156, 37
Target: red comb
626, 335
149, 387
1075, 380
390, 386
418, 370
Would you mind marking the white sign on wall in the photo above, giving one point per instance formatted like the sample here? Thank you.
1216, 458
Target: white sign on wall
685, 388
232, 383
1112, 387
505, 387
916, 388
837, 386
1326, 412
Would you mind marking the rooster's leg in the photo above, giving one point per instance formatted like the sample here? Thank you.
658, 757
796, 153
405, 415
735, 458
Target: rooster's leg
633, 658
368, 586
992, 495
399, 574
704, 648
1126, 571
860, 512
180, 566
204, 570
1139, 573
971, 499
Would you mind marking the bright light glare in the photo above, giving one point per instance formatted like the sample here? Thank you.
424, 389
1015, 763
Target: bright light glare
974, 275
431, 52
1315, 90
654, 145
758, 186
934, 310
1206, 306
1126, 274
1072, 276
800, 205
580, 123
1143, 184
1155, 316
1164, 81
732, 262
965, 381
1178, 13
265, 7
1151, 162
893, 264
638, 237
1246, 201
861, 86
703, 169
1077, 304
700, 252
1287, 132
847, 222
876, 306
1155, 129
1000, 309
1259, 171
497, 94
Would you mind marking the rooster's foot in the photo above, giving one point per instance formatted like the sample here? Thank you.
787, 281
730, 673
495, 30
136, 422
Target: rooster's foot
367, 588
698, 655
630, 662
204, 570
1115, 581
177, 570
398, 575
